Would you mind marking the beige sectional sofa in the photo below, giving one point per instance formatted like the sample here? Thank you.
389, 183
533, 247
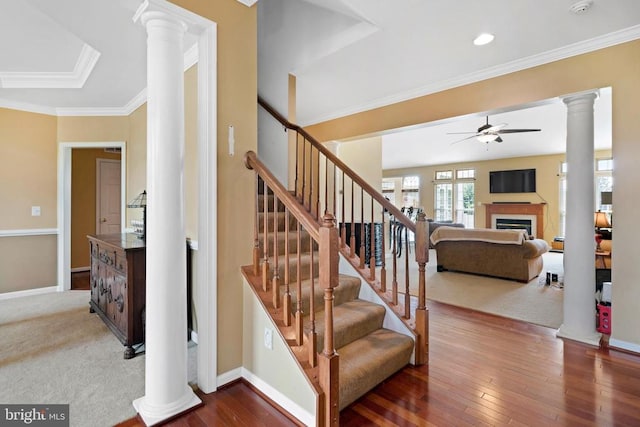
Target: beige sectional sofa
507, 254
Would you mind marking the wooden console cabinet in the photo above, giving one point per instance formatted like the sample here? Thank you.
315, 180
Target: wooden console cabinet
118, 285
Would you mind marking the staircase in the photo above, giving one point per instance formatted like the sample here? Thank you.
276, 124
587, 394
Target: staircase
332, 322
368, 352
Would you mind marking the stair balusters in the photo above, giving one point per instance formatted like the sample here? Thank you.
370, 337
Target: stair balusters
286, 298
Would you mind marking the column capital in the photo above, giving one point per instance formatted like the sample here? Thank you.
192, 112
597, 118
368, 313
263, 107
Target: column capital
153, 11
588, 95
162, 9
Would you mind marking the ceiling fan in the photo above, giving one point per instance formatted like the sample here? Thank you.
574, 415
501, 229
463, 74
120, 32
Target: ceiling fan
488, 132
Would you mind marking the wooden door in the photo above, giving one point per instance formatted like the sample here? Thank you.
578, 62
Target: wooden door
108, 196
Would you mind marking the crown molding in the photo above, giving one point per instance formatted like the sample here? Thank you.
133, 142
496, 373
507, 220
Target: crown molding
25, 106
75, 79
586, 46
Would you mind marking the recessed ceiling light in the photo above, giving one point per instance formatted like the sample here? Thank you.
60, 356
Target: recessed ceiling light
482, 39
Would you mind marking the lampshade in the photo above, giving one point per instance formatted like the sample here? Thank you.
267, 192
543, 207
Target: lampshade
139, 202
601, 220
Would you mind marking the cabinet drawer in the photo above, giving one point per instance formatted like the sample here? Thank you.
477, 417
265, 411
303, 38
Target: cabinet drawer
113, 257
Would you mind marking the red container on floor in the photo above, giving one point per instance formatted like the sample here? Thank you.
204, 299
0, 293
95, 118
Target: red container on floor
604, 319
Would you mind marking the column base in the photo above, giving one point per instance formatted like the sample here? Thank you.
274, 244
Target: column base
587, 338
154, 414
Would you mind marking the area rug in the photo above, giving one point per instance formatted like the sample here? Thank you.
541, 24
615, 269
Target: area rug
534, 302
55, 352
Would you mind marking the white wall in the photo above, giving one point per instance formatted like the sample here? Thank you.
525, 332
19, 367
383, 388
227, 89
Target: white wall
272, 145
274, 371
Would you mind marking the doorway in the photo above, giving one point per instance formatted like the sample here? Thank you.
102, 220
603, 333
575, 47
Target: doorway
65, 201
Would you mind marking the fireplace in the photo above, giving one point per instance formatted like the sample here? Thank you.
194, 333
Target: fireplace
514, 222
516, 215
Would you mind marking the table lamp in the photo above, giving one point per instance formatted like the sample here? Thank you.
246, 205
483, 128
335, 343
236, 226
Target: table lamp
140, 201
600, 220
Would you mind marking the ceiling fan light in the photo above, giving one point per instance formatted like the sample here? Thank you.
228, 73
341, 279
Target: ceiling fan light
489, 137
482, 39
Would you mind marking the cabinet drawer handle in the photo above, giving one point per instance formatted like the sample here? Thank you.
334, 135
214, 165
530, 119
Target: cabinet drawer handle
120, 303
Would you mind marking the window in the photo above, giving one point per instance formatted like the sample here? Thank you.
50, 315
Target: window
465, 173
603, 184
465, 197
465, 201
460, 191
444, 175
411, 191
389, 190
562, 203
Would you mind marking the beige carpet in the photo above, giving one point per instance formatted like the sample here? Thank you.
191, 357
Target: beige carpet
532, 302
54, 351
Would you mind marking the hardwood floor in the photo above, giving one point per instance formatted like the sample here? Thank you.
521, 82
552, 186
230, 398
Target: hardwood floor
483, 370
234, 405
80, 281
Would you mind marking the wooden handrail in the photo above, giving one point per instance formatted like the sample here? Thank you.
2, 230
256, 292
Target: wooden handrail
398, 215
307, 221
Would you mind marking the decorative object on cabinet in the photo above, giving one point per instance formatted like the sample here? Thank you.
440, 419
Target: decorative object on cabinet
140, 202
118, 286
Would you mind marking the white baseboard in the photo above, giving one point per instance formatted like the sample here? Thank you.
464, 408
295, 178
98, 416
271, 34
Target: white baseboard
229, 376
624, 345
283, 401
28, 292
80, 269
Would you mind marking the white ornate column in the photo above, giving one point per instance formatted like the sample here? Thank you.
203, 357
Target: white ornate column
167, 392
579, 244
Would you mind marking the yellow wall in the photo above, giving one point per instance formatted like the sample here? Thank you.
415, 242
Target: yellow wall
136, 159
191, 151
237, 94
617, 67
83, 200
27, 178
28, 166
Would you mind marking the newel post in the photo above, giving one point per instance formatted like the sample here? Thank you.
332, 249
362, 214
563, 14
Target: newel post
328, 360
422, 313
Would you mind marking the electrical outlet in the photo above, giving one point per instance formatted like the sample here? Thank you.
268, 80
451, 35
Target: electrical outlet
35, 210
268, 338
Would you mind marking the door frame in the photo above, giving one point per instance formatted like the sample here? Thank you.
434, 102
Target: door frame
99, 163
64, 201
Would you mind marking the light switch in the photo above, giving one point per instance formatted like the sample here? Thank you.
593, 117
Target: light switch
35, 210
268, 338
232, 141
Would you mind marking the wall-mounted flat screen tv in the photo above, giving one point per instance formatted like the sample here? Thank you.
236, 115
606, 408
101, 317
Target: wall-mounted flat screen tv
513, 181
